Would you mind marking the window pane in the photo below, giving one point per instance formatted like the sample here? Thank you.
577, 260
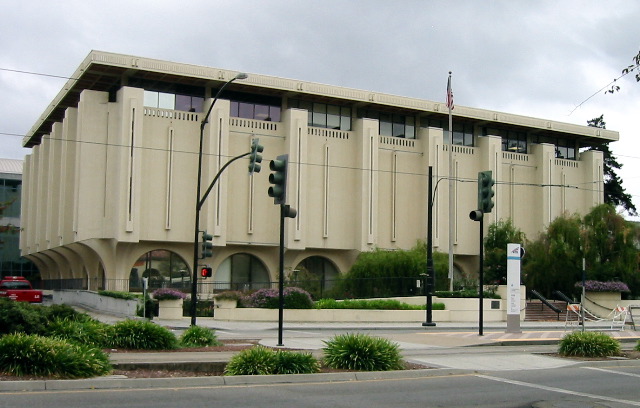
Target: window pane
166, 101
468, 139
345, 122
458, 137
274, 113
261, 112
245, 110
183, 103
385, 128
151, 99
398, 129
333, 117
319, 115
234, 109
197, 103
410, 128
522, 146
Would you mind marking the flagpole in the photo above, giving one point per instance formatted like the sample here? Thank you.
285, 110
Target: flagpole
451, 183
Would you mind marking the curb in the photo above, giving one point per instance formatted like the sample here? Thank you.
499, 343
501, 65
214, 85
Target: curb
117, 382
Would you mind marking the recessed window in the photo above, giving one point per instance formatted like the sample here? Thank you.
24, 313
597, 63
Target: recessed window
393, 124
462, 132
565, 148
250, 110
325, 115
165, 100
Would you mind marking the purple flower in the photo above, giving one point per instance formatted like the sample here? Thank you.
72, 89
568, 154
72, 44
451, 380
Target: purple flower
597, 286
168, 294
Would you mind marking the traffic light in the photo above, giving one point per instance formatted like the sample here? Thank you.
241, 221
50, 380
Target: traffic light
255, 158
485, 191
206, 271
207, 245
279, 179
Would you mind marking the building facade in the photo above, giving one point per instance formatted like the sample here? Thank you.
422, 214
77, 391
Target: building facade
11, 263
110, 185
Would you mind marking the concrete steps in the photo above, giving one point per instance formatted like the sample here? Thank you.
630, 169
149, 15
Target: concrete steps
539, 312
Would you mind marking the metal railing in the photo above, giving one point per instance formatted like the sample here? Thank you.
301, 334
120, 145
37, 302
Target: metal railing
379, 287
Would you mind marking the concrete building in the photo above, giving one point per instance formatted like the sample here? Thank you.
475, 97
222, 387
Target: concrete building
110, 185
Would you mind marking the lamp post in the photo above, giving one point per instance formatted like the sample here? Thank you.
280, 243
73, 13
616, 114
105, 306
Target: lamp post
200, 202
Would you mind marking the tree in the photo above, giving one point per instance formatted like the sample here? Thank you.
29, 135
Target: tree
603, 237
554, 260
614, 193
610, 250
635, 67
499, 235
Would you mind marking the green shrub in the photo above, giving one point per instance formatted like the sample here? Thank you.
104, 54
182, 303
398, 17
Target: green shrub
120, 295
588, 344
362, 352
196, 336
204, 308
292, 362
377, 304
22, 354
21, 317
142, 335
54, 312
89, 333
637, 348
466, 293
263, 361
254, 361
294, 298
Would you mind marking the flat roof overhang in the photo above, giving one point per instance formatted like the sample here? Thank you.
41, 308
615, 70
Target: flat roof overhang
102, 71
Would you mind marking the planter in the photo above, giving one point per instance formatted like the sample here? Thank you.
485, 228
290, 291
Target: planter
604, 297
170, 309
225, 303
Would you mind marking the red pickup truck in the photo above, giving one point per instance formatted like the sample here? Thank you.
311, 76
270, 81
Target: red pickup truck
19, 289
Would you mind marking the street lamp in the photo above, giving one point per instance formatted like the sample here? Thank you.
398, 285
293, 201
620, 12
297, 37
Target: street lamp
200, 202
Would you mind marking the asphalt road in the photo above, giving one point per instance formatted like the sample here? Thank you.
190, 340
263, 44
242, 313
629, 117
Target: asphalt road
596, 385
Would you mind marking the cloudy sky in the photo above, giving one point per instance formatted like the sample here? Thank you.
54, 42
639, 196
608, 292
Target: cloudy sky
539, 58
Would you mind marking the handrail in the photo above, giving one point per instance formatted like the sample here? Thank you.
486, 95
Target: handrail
562, 296
545, 301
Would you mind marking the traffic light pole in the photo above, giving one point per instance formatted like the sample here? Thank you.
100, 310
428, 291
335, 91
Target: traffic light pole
283, 214
205, 120
430, 277
481, 281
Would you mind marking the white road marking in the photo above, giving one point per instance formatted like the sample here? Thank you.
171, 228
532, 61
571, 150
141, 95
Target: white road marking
613, 371
561, 390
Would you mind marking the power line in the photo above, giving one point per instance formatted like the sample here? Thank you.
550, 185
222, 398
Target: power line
624, 73
36, 73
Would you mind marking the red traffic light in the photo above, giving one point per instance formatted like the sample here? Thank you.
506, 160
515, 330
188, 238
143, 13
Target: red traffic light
206, 272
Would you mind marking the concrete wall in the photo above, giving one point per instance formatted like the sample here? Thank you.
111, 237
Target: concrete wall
94, 301
457, 310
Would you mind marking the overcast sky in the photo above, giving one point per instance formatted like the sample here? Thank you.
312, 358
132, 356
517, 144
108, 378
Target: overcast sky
537, 58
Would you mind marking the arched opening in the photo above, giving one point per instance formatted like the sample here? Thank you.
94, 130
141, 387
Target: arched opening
162, 268
314, 274
241, 272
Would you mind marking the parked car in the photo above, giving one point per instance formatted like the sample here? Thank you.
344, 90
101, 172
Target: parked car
19, 289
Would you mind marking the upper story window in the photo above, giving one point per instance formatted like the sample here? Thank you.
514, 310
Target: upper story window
165, 100
325, 115
462, 132
254, 106
257, 111
565, 148
393, 124
513, 141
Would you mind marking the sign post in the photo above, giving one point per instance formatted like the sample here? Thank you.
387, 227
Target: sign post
514, 255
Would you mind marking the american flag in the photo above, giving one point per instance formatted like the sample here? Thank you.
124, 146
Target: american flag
449, 94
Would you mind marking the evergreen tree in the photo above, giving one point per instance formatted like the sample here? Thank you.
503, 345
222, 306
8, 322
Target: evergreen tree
500, 234
614, 193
